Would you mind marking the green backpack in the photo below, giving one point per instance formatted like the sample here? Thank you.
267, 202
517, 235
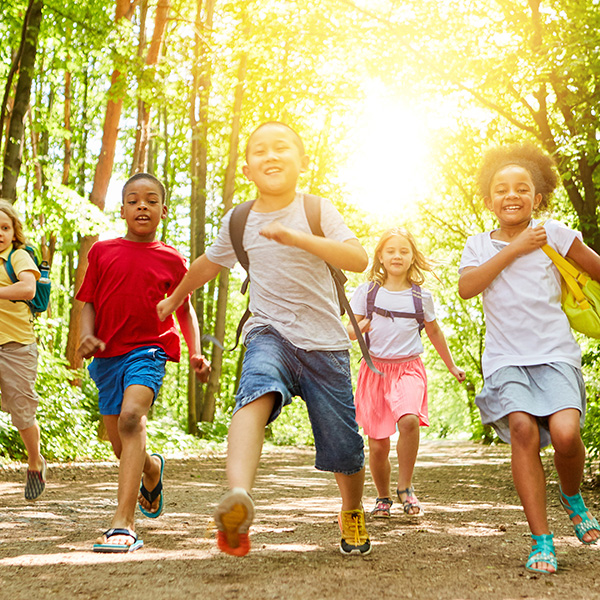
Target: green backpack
39, 303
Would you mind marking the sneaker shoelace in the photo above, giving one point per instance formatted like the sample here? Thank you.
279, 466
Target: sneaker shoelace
355, 527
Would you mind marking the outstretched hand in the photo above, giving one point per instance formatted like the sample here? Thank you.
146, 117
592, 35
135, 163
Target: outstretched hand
89, 345
200, 366
279, 233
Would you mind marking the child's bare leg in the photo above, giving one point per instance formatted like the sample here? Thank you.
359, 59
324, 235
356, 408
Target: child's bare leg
569, 457
245, 441
351, 489
379, 464
407, 448
128, 439
528, 474
31, 439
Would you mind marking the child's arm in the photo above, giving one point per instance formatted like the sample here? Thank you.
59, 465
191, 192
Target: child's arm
188, 322
436, 335
23, 289
473, 280
348, 255
89, 344
363, 325
201, 271
586, 258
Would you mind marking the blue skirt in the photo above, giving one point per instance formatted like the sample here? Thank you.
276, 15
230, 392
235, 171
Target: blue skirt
539, 390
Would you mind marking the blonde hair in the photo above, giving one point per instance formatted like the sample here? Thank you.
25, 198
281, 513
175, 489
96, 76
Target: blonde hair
9, 210
416, 270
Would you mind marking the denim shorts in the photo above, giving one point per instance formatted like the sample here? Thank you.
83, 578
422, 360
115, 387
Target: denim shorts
321, 378
112, 376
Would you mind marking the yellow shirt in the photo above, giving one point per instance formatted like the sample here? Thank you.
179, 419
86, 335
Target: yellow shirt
16, 320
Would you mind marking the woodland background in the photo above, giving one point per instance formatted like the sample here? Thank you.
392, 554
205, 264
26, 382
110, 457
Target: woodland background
96, 90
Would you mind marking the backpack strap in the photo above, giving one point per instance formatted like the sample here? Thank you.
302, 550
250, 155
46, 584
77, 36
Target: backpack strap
237, 224
418, 301
9, 268
312, 208
371, 295
417, 297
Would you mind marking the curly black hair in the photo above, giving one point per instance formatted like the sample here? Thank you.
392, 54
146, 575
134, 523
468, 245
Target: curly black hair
540, 166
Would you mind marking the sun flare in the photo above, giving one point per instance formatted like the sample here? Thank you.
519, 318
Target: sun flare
386, 173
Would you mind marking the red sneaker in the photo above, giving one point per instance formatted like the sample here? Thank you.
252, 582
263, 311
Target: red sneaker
233, 517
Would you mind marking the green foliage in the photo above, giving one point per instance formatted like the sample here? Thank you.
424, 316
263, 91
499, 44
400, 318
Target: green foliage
67, 418
292, 427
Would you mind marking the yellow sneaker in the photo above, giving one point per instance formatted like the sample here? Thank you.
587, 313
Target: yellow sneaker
355, 539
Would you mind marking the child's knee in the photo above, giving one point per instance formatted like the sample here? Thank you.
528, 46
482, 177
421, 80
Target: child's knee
130, 422
523, 430
408, 424
567, 442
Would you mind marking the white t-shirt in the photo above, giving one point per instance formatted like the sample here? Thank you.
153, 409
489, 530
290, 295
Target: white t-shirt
525, 324
397, 338
290, 289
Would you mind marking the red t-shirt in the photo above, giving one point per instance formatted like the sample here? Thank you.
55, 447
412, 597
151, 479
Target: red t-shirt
125, 281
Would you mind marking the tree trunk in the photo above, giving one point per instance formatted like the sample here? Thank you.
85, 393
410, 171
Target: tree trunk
198, 168
100, 186
14, 144
213, 386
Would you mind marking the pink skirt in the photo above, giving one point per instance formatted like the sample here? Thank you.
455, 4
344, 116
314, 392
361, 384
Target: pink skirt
382, 401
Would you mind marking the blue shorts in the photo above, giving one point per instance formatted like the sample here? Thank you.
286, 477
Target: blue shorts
321, 378
112, 376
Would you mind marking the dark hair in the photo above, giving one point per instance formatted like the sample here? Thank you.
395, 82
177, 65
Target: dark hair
297, 138
540, 166
137, 176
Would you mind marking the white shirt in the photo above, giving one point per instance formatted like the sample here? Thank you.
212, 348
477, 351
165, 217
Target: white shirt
525, 324
397, 338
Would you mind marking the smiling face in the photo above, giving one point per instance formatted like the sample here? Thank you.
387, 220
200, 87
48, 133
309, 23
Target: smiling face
512, 197
274, 161
143, 209
7, 231
396, 256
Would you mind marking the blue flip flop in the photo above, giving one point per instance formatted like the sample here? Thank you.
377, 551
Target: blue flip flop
122, 548
155, 493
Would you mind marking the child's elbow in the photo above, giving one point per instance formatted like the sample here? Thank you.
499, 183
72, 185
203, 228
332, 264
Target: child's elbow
29, 293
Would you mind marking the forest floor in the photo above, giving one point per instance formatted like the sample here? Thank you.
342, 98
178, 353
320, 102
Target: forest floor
471, 543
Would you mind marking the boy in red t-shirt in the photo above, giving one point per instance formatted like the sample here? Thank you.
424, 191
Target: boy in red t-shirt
125, 279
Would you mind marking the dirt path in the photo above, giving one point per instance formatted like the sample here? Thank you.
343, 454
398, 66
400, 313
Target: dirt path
471, 543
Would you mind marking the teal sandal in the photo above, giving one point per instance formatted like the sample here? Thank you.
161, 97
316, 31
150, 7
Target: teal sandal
542, 552
575, 506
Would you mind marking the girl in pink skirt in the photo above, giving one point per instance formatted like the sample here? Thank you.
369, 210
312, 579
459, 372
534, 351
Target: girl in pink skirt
392, 310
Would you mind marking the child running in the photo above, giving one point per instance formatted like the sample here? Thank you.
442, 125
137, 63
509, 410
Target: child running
533, 393
124, 280
392, 309
296, 343
18, 349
